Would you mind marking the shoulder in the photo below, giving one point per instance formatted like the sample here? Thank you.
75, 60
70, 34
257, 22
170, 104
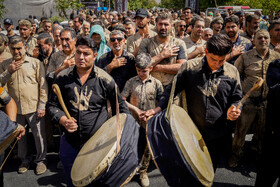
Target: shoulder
65, 72
152, 33
32, 60
230, 71
103, 75
244, 40
58, 54
178, 41
130, 55
104, 56
274, 54
6, 62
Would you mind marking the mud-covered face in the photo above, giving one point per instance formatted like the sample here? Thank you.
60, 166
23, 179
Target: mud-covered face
262, 40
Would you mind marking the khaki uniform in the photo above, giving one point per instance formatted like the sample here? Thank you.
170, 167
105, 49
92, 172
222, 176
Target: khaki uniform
31, 44
27, 86
135, 40
5, 55
154, 47
251, 66
191, 46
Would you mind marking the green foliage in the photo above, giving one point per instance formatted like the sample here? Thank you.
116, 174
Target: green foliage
57, 18
3, 10
136, 4
174, 4
63, 5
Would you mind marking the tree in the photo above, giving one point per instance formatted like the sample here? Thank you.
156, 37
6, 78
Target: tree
63, 5
174, 4
3, 10
136, 4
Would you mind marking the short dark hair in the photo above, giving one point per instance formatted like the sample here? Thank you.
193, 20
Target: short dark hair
84, 40
163, 15
219, 44
250, 17
46, 36
232, 18
195, 19
143, 60
188, 8
80, 19
273, 24
72, 31
16, 39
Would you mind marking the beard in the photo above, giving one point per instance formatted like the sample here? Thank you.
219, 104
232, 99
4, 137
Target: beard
231, 34
162, 33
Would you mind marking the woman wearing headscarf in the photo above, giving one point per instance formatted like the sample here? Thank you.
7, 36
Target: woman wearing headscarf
97, 34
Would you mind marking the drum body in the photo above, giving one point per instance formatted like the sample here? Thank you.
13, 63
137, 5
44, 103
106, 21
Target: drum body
98, 164
179, 150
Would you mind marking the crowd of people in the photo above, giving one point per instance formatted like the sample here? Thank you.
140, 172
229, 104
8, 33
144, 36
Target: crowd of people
216, 59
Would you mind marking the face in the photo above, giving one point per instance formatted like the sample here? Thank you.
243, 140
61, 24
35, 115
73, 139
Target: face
230, 11
198, 29
163, 28
275, 33
207, 35
45, 47
202, 14
48, 27
8, 27
129, 30
152, 20
96, 37
188, 14
70, 24
84, 57
86, 29
143, 73
76, 23
116, 42
56, 37
68, 44
141, 22
24, 31
33, 27
18, 51
262, 41
214, 61
217, 26
231, 29
254, 25
182, 26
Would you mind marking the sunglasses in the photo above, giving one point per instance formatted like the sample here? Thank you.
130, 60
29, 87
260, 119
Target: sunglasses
182, 25
114, 39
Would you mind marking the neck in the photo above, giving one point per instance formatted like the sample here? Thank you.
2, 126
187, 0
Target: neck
233, 39
83, 74
216, 31
118, 53
69, 53
181, 33
194, 38
249, 32
188, 20
263, 52
145, 30
50, 52
274, 42
163, 39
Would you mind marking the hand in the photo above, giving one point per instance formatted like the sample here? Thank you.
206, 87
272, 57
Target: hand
36, 52
41, 113
69, 124
277, 48
200, 49
237, 50
21, 131
233, 113
116, 63
69, 62
14, 66
170, 51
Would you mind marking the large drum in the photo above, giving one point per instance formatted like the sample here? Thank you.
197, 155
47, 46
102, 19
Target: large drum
178, 149
98, 164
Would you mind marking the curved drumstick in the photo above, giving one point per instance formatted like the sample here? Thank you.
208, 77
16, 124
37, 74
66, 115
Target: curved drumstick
56, 90
256, 86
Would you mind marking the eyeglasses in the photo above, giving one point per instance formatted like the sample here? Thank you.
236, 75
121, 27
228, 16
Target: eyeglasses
187, 12
114, 39
182, 25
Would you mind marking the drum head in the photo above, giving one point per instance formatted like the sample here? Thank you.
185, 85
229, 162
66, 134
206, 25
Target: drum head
9, 140
191, 145
98, 152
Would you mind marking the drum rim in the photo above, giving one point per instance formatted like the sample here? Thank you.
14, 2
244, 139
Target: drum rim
105, 162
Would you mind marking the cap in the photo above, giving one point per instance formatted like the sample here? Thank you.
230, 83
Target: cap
120, 27
8, 21
141, 13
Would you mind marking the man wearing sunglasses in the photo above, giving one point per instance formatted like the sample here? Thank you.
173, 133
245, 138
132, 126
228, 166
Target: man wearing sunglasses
118, 63
188, 11
181, 33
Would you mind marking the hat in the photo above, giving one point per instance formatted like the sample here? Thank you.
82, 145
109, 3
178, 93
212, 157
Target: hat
141, 13
8, 21
120, 27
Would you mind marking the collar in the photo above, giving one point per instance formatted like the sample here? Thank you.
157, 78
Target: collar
124, 53
149, 79
74, 72
256, 53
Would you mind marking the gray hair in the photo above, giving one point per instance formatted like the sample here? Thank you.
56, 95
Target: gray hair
16, 39
58, 27
72, 31
115, 32
143, 60
46, 36
208, 29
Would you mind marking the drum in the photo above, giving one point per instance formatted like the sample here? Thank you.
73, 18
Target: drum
97, 162
178, 149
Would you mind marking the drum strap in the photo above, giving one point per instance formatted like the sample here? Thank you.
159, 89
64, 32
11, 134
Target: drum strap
171, 97
118, 120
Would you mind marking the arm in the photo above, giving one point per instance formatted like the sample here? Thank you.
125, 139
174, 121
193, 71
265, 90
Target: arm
199, 50
11, 110
236, 50
116, 63
169, 68
43, 89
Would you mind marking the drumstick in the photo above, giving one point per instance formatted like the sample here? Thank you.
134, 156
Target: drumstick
256, 86
57, 91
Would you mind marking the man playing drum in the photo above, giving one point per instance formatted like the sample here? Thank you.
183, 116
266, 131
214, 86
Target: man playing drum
212, 91
85, 89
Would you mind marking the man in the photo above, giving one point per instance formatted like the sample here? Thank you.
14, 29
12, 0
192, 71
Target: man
63, 59
141, 20
85, 29
89, 113
241, 44
252, 25
78, 21
48, 26
25, 80
213, 90
251, 65
56, 37
167, 52
33, 28
4, 54
8, 25
118, 63
217, 25
207, 34
130, 28
195, 44
188, 11
274, 31
182, 29
25, 31
230, 11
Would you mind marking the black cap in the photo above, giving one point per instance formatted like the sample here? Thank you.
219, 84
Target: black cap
8, 21
141, 13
